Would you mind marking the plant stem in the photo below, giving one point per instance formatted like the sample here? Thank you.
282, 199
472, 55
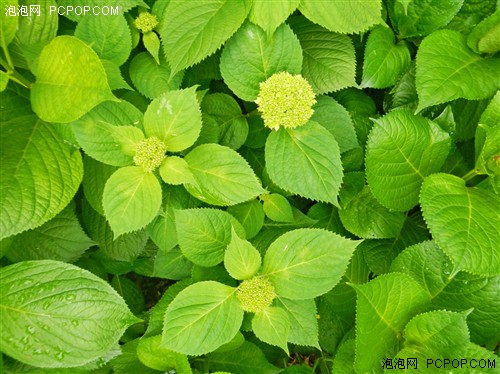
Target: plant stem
18, 78
8, 65
471, 174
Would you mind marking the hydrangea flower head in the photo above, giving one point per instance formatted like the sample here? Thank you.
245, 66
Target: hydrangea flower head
146, 22
285, 100
150, 153
255, 294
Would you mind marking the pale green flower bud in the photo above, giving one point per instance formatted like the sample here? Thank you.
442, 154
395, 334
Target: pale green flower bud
285, 100
146, 22
255, 294
150, 153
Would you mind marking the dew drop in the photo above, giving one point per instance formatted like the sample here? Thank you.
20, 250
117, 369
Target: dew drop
70, 297
25, 339
60, 355
30, 329
38, 351
46, 305
75, 322
27, 281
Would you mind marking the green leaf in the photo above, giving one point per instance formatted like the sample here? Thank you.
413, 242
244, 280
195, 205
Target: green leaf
336, 119
108, 36
130, 292
250, 215
306, 263
241, 259
95, 175
366, 218
402, 150
343, 362
204, 234
39, 174
250, 57
247, 359
152, 44
151, 78
272, 326
329, 60
277, 208
70, 81
175, 170
154, 356
57, 315
171, 264
128, 362
269, 15
131, 199
225, 111
222, 176
421, 17
344, 17
201, 318
466, 228
305, 161
114, 146
114, 75
174, 118
438, 334
186, 26
61, 238
427, 264
484, 37
447, 70
384, 306
303, 321
126, 247
488, 160
385, 60
9, 23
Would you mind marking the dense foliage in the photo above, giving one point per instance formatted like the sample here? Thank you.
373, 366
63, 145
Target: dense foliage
249, 186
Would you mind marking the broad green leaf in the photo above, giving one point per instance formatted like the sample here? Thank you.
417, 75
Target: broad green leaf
384, 306
108, 36
345, 17
272, 326
150, 78
112, 8
174, 118
488, 161
365, 217
484, 37
57, 315
270, 14
385, 60
9, 24
39, 174
126, 247
478, 352
152, 44
250, 215
70, 81
472, 13
303, 321
329, 60
95, 175
130, 292
336, 119
154, 356
427, 264
277, 208
186, 26
223, 177
404, 93
247, 359
306, 263
438, 334
250, 57
204, 234
402, 150
128, 362
131, 199
305, 161
201, 318
114, 146
447, 70
61, 238
421, 17
343, 362
225, 111
241, 259
170, 264
175, 170
4, 80
466, 228
35, 31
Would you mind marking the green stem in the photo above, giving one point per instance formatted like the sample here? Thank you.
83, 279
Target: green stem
18, 78
471, 174
8, 65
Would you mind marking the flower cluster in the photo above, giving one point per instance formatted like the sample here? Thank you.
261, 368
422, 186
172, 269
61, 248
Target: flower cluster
255, 294
150, 153
146, 22
285, 100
